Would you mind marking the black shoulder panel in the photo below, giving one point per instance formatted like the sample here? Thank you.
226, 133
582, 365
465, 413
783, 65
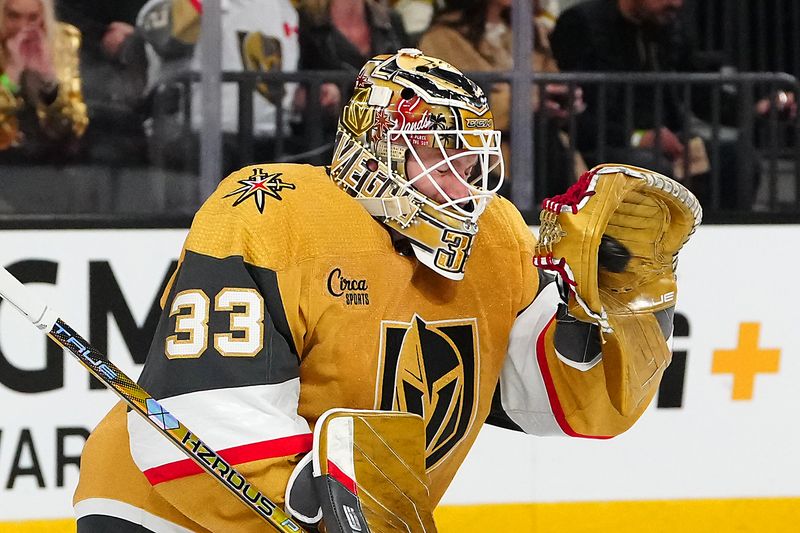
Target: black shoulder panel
276, 360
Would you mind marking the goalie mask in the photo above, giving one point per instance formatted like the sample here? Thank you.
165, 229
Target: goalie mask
416, 146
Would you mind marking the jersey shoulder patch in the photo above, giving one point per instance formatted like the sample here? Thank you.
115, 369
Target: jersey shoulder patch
259, 191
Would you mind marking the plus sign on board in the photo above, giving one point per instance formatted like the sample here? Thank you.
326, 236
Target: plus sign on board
746, 361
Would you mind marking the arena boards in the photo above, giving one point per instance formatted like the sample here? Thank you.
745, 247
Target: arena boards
715, 452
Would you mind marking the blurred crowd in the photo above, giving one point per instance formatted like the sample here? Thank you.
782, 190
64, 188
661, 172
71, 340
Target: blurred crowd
106, 83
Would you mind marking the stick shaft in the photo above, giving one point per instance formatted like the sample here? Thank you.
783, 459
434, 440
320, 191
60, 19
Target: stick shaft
140, 401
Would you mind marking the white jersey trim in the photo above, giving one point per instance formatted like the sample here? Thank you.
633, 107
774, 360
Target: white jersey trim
126, 511
223, 418
522, 389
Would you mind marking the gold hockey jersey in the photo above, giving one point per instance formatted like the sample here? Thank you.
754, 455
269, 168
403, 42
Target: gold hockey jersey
289, 300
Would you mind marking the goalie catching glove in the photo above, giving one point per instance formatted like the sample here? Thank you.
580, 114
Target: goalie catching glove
652, 217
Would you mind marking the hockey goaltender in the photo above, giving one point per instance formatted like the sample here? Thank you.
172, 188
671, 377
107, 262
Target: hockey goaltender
340, 334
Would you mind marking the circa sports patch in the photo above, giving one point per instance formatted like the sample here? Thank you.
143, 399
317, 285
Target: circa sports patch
258, 186
351, 290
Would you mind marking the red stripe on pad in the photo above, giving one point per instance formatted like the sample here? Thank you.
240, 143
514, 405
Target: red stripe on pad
245, 453
552, 394
198, 5
341, 477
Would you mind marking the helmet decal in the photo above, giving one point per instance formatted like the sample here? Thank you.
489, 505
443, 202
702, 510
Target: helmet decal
410, 116
384, 121
435, 79
359, 116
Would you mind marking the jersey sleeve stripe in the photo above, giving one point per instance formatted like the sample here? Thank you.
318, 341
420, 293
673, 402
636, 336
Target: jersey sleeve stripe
223, 418
523, 394
105, 507
270, 449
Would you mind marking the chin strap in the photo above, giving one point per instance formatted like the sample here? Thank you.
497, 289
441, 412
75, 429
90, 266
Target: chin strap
391, 207
399, 208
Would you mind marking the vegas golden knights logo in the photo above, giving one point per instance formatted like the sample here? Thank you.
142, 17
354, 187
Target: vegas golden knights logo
358, 116
261, 53
430, 368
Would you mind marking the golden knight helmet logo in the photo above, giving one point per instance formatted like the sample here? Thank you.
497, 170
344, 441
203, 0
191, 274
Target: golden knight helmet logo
429, 368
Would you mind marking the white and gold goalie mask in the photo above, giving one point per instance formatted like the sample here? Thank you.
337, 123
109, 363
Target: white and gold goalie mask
416, 146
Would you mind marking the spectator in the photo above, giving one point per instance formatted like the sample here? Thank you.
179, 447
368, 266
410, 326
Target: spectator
627, 35
257, 36
42, 114
643, 36
342, 35
114, 72
417, 15
478, 38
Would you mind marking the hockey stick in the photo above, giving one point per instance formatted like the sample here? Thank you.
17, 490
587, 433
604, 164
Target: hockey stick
46, 319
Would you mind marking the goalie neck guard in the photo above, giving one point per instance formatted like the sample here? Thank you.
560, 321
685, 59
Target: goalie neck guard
415, 114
